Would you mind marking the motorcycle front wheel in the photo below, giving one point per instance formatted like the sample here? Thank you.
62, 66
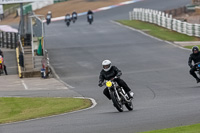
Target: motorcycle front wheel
118, 105
129, 105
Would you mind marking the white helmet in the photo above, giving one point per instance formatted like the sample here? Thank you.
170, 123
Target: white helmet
106, 65
49, 12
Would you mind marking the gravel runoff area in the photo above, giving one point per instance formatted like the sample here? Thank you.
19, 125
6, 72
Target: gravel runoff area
61, 9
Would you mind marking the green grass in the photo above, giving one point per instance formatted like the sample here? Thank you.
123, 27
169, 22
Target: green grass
190, 47
18, 109
183, 129
157, 31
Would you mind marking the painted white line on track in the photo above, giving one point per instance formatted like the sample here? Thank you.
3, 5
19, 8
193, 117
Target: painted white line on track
171, 43
93, 105
25, 86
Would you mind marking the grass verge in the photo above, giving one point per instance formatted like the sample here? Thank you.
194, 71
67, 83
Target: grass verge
183, 129
157, 31
190, 47
18, 109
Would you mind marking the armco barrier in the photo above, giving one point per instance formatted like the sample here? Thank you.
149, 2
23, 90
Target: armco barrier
165, 20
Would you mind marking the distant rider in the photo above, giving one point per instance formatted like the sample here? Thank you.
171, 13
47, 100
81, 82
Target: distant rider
3, 65
109, 72
195, 57
74, 15
67, 18
89, 13
48, 17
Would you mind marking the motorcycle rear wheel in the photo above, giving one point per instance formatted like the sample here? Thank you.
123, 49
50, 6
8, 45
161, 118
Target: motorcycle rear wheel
118, 105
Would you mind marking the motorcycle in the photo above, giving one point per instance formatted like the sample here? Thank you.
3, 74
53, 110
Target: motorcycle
1, 67
90, 18
48, 19
74, 18
119, 96
67, 20
197, 65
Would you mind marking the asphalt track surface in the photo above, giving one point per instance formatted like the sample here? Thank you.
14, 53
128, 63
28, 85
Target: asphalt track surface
165, 94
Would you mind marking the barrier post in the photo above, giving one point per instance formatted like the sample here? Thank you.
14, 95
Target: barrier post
11, 40
7, 41
3, 39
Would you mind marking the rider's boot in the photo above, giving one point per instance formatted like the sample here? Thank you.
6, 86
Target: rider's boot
130, 94
198, 80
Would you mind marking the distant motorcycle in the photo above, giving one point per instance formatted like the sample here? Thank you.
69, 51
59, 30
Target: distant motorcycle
48, 19
67, 20
1, 66
197, 65
119, 96
67, 23
90, 18
74, 18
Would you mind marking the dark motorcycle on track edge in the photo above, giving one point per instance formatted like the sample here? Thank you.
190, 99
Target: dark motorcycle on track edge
48, 19
90, 18
74, 18
1, 67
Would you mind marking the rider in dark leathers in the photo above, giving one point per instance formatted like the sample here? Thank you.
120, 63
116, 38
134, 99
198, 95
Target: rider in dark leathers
109, 72
74, 14
195, 57
89, 13
48, 17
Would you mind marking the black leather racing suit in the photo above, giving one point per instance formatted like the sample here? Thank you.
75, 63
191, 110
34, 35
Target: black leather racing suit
195, 58
89, 13
107, 75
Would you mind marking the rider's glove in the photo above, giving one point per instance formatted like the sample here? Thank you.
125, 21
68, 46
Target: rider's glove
100, 84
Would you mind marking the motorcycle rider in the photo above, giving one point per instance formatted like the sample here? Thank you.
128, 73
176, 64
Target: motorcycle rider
195, 57
4, 66
48, 17
89, 13
112, 72
67, 18
74, 15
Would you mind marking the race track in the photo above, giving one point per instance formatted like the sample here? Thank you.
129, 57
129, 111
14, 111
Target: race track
165, 94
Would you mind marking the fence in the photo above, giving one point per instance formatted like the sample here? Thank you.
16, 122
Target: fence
196, 2
11, 10
165, 20
8, 40
33, 6
36, 5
